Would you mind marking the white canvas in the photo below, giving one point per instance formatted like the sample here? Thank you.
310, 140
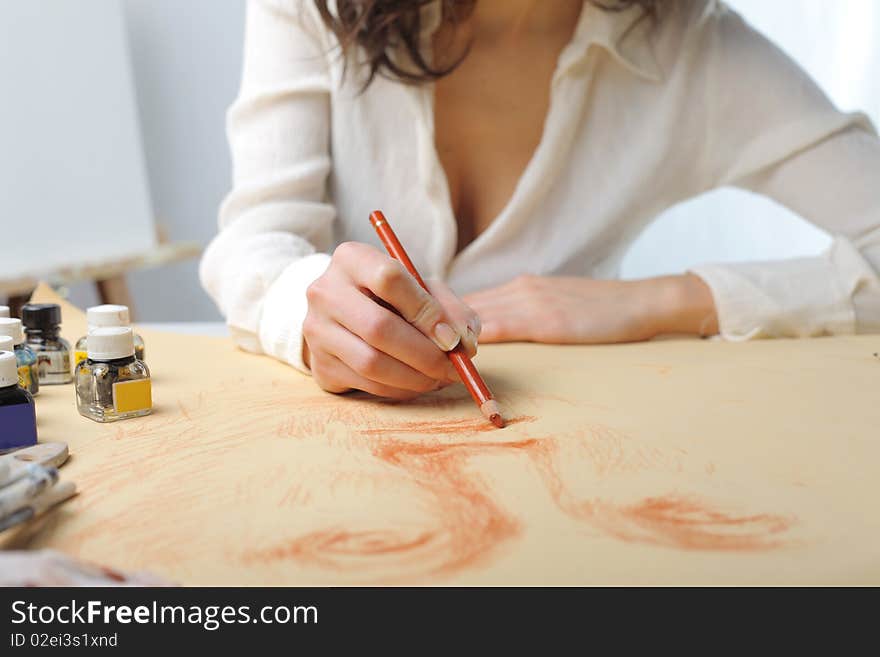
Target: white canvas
73, 186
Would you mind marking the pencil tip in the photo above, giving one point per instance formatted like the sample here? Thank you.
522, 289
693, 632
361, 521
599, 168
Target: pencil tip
492, 412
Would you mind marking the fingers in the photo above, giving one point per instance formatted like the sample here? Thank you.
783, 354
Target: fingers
389, 280
503, 323
373, 364
333, 375
370, 326
501, 310
463, 317
376, 326
481, 297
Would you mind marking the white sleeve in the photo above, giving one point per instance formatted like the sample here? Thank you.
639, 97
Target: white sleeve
771, 130
275, 224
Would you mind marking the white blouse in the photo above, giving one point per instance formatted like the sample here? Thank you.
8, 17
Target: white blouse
639, 119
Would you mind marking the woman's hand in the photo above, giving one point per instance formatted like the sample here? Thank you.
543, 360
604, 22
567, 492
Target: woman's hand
371, 327
583, 310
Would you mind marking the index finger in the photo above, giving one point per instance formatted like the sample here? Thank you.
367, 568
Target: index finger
389, 280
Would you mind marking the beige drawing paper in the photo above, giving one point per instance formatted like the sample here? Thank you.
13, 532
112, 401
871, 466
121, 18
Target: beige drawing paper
672, 462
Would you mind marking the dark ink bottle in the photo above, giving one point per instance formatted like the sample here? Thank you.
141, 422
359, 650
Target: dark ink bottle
18, 419
27, 360
111, 384
42, 322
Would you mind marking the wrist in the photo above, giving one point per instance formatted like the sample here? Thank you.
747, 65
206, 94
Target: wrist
680, 304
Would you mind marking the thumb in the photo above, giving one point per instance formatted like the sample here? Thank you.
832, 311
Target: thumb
462, 316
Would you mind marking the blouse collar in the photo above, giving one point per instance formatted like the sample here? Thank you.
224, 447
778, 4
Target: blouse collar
625, 34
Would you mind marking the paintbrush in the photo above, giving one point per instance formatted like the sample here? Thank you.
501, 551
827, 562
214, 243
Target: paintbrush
19, 494
39, 504
14, 463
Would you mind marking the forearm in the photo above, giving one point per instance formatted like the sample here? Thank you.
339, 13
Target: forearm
678, 304
834, 186
276, 222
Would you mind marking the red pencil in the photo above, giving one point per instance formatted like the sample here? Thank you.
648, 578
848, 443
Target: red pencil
460, 360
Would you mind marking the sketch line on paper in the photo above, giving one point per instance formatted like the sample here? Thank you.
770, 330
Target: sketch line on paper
444, 428
465, 525
689, 523
673, 520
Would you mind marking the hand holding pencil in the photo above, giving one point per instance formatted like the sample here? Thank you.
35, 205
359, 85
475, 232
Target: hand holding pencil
370, 326
459, 358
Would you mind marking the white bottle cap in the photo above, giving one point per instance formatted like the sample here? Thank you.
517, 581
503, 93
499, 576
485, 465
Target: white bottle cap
4, 311
110, 342
8, 369
6, 343
11, 326
107, 315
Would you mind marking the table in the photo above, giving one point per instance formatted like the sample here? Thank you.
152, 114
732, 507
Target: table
670, 462
204, 329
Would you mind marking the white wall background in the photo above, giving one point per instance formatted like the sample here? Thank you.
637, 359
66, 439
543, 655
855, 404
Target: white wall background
838, 43
186, 57
70, 145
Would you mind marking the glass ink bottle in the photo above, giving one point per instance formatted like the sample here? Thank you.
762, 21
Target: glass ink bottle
101, 317
27, 361
111, 384
41, 324
18, 419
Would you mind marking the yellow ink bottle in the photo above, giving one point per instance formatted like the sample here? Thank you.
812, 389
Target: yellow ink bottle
103, 316
111, 384
24, 355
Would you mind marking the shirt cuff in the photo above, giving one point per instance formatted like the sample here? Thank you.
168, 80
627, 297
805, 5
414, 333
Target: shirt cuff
788, 298
285, 307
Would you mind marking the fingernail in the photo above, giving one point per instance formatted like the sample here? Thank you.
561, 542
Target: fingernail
445, 336
472, 337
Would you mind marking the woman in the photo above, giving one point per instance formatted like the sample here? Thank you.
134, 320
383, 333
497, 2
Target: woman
518, 147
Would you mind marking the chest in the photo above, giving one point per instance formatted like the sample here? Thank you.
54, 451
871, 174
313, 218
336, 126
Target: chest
489, 117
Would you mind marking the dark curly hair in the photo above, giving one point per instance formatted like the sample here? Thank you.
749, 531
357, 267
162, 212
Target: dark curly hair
381, 27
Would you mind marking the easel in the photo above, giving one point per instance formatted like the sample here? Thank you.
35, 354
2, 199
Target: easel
108, 276
77, 177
